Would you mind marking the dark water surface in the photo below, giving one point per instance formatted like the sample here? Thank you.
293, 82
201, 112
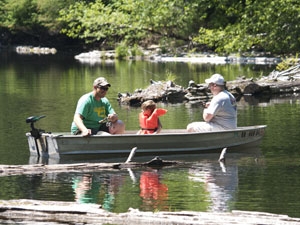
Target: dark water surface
260, 179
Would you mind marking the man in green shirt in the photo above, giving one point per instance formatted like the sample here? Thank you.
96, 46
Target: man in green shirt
94, 107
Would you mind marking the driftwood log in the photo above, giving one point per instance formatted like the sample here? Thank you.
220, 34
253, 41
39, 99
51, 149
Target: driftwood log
8, 170
74, 213
275, 84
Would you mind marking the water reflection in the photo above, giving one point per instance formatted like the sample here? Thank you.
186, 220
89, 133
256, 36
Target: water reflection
33, 159
220, 184
265, 101
82, 186
153, 192
99, 189
202, 184
198, 183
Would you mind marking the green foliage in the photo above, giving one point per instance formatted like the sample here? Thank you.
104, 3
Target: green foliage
32, 16
136, 51
48, 12
2, 11
287, 63
122, 51
228, 26
20, 14
271, 26
170, 76
131, 21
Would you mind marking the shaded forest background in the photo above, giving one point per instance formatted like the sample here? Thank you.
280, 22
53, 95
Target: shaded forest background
221, 26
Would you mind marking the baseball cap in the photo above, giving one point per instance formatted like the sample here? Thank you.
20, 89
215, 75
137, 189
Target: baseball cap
101, 81
216, 79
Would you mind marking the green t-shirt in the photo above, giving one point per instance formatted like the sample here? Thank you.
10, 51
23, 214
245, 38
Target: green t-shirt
92, 111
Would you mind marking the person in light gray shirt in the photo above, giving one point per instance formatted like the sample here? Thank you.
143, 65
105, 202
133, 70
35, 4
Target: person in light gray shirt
221, 112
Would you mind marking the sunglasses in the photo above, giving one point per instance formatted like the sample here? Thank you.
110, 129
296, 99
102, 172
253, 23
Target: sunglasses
103, 88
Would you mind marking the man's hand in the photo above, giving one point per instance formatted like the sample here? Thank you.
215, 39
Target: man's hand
206, 104
86, 132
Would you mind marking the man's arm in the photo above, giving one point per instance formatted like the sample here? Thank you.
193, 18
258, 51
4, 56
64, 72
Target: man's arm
207, 116
79, 123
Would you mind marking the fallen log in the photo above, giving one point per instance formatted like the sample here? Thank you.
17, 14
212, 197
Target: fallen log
243, 86
278, 87
8, 170
74, 213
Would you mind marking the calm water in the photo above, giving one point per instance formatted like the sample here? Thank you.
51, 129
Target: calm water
262, 179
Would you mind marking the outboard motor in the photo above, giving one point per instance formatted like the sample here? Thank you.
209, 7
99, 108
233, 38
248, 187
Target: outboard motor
36, 133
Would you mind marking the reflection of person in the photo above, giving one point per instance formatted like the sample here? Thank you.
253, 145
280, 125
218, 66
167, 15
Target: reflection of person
94, 107
221, 112
85, 190
111, 188
148, 118
152, 190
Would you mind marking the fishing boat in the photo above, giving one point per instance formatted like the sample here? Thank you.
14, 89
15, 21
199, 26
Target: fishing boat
56, 144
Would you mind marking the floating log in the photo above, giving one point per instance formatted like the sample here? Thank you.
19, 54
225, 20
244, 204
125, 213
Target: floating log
75, 213
8, 170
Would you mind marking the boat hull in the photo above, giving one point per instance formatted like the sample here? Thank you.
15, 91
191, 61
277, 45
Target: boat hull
169, 141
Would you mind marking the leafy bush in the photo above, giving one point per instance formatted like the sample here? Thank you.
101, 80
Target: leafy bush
287, 63
122, 51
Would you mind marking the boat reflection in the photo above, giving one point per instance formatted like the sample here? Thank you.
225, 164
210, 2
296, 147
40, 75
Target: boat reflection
200, 183
220, 183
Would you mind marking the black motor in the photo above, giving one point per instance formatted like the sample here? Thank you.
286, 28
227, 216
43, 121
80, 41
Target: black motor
36, 133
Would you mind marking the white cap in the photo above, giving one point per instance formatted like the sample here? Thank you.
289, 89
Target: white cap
216, 79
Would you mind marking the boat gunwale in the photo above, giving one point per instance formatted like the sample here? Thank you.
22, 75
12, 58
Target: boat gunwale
165, 132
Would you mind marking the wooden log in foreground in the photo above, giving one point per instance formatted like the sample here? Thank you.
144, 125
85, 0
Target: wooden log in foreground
74, 213
8, 170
